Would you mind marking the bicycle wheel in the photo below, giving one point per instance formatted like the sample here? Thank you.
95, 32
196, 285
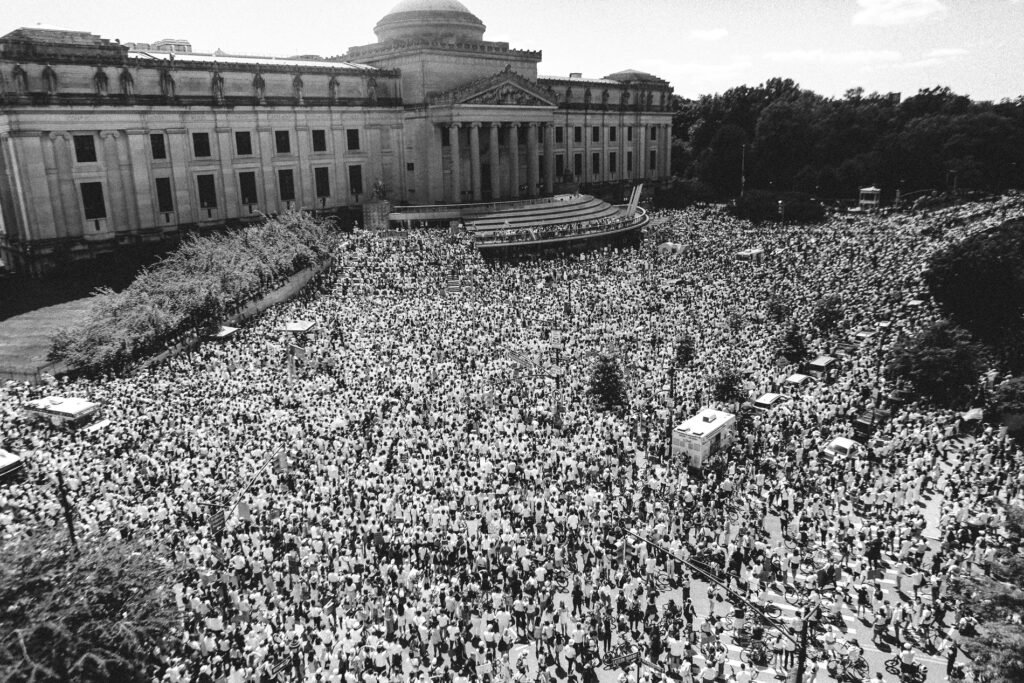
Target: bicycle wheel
792, 595
772, 610
746, 656
893, 666
727, 623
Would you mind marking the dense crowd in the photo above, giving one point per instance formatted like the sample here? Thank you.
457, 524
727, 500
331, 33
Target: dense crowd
447, 513
552, 231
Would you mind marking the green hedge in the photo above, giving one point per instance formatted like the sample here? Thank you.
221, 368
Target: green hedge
192, 289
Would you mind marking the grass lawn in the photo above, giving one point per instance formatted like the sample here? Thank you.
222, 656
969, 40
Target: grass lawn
25, 339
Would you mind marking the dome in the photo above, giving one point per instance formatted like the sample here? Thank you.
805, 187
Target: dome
634, 75
444, 20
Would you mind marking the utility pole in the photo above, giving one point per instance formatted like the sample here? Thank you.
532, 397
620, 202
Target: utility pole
671, 407
62, 494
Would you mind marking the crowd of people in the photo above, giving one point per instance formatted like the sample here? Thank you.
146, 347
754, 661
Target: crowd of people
451, 506
533, 233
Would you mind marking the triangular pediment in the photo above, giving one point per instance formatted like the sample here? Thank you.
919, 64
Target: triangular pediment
505, 88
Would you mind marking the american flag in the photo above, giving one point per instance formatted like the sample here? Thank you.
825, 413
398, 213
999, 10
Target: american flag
454, 286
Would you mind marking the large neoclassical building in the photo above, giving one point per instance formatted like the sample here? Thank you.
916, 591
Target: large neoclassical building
104, 144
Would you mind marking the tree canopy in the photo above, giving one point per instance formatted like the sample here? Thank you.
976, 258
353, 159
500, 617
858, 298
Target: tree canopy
787, 138
105, 615
942, 363
979, 283
607, 387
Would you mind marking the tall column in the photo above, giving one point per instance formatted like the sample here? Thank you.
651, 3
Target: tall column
642, 167
668, 149
549, 158
531, 159
62, 188
513, 160
456, 155
474, 159
495, 166
114, 191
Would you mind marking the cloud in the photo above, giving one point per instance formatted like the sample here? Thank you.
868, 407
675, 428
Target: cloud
936, 57
946, 53
896, 12
850, 58
709, 35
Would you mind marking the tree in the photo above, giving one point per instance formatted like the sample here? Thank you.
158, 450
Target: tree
686, 350
942, 364
96, 617
828, 314
794, 348
606, 384
779, 309
728, 387
997, 647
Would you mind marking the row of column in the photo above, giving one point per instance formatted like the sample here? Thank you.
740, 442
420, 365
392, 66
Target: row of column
534, 132
537, 133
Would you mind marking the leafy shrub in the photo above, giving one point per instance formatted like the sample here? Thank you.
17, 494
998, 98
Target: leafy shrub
942, 364
194, 286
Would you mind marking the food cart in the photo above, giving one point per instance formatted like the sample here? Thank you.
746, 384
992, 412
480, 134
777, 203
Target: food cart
703, 435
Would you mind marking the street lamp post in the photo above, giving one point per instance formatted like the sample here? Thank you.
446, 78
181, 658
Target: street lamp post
782, 211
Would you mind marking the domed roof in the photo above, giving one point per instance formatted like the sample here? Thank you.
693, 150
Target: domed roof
446, 20
634, 75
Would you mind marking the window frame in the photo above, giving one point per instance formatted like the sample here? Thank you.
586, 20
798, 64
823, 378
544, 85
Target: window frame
290, 174
255, 198
285, 136
316, 181
87, 205
82, 137
352, 134
238, 139
313, 134
196, 137
163, 146
200, 178
164, 181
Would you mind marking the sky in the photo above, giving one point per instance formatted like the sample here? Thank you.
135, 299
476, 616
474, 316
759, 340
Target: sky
699, 46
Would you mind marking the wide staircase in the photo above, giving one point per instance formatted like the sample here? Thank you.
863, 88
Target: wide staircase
560, 210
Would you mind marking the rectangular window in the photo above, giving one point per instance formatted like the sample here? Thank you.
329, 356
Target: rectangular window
559, 135
243, 143
577, 164
410, 166
319, 140
207, 191
282, 142
612, 134
595, 163
85, 149
247, 187
322, 178
654, 160
92, 201
156, 143
286, 185
654, 132
164, 197
355, 179
613, 160
353, 141
577, 134
201, 144
595, 134
629, 162
629, 133
446, 138
559, 165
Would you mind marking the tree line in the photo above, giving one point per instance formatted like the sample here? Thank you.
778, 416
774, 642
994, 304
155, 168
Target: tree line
784, 138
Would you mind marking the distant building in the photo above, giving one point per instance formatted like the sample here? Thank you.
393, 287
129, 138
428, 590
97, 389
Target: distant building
105, 145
